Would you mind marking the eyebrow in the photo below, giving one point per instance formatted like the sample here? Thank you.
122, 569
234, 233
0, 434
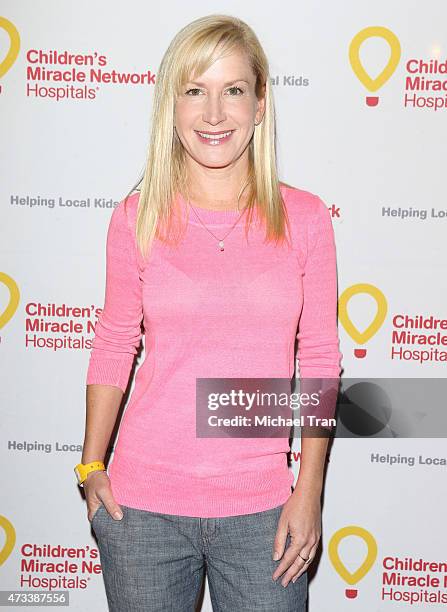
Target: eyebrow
225, 84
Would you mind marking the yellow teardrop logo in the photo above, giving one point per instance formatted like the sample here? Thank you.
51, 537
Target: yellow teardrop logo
357, 66
14, 297
352, 578
10, 538
14, 45
360, 337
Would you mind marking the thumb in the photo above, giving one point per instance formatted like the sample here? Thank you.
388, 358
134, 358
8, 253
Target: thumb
113, 508
280, 540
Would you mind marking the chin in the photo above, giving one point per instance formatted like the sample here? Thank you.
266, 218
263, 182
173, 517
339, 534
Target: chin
215, 164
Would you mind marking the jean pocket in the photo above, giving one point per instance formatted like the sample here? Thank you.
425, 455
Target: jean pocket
101, 508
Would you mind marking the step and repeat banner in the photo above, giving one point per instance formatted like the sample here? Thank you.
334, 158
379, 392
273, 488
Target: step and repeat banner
361, 102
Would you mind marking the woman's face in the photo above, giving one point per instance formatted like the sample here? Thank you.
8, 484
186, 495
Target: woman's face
222, 101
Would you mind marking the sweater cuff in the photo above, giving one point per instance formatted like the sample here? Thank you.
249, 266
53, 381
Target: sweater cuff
114, 372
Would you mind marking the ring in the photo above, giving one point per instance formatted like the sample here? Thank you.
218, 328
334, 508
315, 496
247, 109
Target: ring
306, 560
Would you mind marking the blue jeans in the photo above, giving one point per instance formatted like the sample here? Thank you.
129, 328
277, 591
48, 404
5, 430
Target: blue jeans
154, 562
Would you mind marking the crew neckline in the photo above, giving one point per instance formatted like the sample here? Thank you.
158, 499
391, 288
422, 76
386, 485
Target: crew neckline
207, 215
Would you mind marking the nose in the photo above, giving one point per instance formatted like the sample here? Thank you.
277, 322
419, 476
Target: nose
214, 111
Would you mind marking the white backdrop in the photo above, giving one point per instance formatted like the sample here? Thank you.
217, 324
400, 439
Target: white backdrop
89, 142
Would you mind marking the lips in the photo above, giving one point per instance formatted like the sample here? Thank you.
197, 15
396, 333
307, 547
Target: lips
213, 133
214, 138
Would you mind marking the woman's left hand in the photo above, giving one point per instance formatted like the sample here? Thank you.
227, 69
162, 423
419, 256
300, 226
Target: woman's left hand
301, 516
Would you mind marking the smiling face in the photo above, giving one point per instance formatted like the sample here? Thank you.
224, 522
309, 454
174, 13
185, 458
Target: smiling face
215, 114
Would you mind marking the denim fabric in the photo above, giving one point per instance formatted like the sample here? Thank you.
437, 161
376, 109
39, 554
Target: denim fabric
154, 562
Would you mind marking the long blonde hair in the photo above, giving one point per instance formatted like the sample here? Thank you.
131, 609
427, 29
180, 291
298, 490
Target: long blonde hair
191, 52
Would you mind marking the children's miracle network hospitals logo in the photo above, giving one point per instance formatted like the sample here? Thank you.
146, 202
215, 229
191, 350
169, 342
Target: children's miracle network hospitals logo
424, 84
371, 84
60, 75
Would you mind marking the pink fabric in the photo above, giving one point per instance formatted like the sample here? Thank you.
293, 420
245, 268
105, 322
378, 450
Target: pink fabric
217, 314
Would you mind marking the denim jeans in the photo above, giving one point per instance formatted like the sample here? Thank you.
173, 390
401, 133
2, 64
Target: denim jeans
154, 562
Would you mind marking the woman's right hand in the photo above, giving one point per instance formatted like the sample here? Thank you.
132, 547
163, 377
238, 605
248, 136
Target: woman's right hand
98, 491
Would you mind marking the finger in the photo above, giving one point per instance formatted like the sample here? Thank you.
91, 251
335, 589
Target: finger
280, 540
309, 551
288, 558
296, 576
302, 570
310, 555
297, 566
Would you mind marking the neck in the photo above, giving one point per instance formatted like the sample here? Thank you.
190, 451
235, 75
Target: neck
204, 200
198, 202
219, 189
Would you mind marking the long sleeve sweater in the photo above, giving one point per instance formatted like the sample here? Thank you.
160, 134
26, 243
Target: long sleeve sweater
219, 314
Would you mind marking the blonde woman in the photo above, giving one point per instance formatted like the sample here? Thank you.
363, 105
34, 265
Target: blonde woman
225, 267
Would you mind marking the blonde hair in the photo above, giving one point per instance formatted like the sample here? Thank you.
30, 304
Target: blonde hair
191, 52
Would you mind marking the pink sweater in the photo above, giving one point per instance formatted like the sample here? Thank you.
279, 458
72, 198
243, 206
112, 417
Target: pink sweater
207, 313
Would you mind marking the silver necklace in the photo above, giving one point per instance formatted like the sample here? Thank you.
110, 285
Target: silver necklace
219, 240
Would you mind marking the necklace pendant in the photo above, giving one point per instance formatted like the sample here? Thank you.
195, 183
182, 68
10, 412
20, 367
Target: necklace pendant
221, 244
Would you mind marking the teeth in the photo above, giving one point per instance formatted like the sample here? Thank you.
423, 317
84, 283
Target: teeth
214, 136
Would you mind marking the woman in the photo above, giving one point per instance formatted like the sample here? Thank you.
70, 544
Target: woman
220, 296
